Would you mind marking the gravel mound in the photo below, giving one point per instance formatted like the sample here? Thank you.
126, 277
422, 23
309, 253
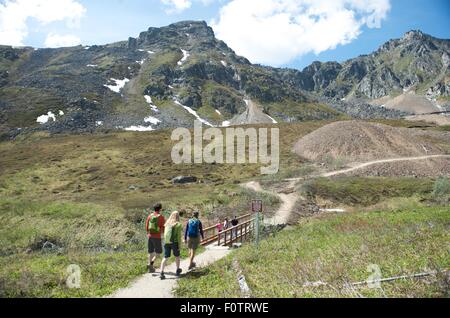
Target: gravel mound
358, 141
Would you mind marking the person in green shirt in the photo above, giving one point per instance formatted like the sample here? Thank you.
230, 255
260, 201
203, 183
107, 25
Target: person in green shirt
172, 237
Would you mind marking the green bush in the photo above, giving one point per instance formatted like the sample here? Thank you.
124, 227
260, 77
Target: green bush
441, 189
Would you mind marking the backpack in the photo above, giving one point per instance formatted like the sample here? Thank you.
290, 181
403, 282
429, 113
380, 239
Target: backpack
172, 234
169, 234
194, 228
153, 224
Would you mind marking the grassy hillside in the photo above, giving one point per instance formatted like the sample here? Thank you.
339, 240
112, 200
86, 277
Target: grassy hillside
337, 250
366, 191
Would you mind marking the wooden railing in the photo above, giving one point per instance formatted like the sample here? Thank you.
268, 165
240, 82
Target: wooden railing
212, 233
239, 233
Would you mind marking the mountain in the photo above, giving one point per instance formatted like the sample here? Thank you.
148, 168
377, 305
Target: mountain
408, 71
170, 76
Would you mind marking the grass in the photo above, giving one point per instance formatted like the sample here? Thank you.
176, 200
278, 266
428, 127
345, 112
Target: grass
303, 111
338, 249
86, 194
359, 191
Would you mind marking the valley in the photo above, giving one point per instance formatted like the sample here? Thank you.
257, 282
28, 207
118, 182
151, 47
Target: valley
363, 178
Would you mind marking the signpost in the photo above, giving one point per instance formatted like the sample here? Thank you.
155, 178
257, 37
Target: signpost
257, 206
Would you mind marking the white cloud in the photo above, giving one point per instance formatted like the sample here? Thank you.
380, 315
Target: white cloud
178, 6
56, 40
15, 14
277, 31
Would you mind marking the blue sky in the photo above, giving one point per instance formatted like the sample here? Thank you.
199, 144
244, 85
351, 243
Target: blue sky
271, 41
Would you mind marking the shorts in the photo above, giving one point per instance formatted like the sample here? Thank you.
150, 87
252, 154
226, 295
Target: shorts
193, 243
155, 245
168, 248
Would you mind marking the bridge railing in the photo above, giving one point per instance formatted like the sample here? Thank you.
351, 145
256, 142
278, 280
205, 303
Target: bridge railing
239, 233
212, 233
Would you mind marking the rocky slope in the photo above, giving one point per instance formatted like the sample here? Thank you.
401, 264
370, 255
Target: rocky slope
417, 64
170, 76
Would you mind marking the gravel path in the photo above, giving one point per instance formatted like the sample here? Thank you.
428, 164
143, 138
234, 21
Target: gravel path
151, 286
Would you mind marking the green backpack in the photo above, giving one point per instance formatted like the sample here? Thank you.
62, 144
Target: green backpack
169, 235
153, 224
172, 233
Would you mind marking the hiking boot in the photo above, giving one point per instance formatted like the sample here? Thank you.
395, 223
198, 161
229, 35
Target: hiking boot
163, 277
151, 269
179, 271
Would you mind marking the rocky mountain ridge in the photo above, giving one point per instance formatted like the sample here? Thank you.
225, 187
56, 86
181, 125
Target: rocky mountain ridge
170, 76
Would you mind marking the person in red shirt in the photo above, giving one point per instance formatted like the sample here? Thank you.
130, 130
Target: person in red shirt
155, 229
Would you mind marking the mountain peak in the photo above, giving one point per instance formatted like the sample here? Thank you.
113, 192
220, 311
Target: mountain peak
414, 35
178, 33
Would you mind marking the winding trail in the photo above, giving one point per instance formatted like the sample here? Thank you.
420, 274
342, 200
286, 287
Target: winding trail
150, 285
288, 201
372, 163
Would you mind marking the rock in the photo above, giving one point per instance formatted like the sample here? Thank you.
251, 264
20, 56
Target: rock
49, 247
184, 180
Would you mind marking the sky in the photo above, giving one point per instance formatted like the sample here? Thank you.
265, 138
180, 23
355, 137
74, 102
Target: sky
282, 33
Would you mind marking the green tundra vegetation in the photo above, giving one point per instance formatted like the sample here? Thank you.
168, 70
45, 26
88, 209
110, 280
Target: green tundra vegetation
86, 194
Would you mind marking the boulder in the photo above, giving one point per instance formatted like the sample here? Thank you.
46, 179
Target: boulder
184, 180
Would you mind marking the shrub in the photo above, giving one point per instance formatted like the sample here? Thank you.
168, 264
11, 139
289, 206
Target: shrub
441, 189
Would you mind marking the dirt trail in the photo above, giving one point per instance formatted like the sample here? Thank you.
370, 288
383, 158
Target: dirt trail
289, 200
372, 163
151, 286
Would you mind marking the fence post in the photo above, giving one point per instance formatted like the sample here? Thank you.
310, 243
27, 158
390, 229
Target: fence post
257, 230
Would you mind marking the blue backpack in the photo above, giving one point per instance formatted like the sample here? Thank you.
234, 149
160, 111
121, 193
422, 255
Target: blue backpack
194, 228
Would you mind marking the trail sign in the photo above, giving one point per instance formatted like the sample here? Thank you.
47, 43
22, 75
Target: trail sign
257, 206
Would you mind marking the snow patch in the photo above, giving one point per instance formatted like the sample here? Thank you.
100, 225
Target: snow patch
185, 57
149, 52
149, 101
224, 63
99, 123
45, 118
119, 84
152, 120
273, 120
194, 113
139, 128
218, 112
61, 113
91, 65
226, 124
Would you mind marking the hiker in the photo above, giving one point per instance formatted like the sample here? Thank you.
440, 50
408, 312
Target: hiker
172, 238
234, 223
226, 226
219, 227
194, 229
154, 227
